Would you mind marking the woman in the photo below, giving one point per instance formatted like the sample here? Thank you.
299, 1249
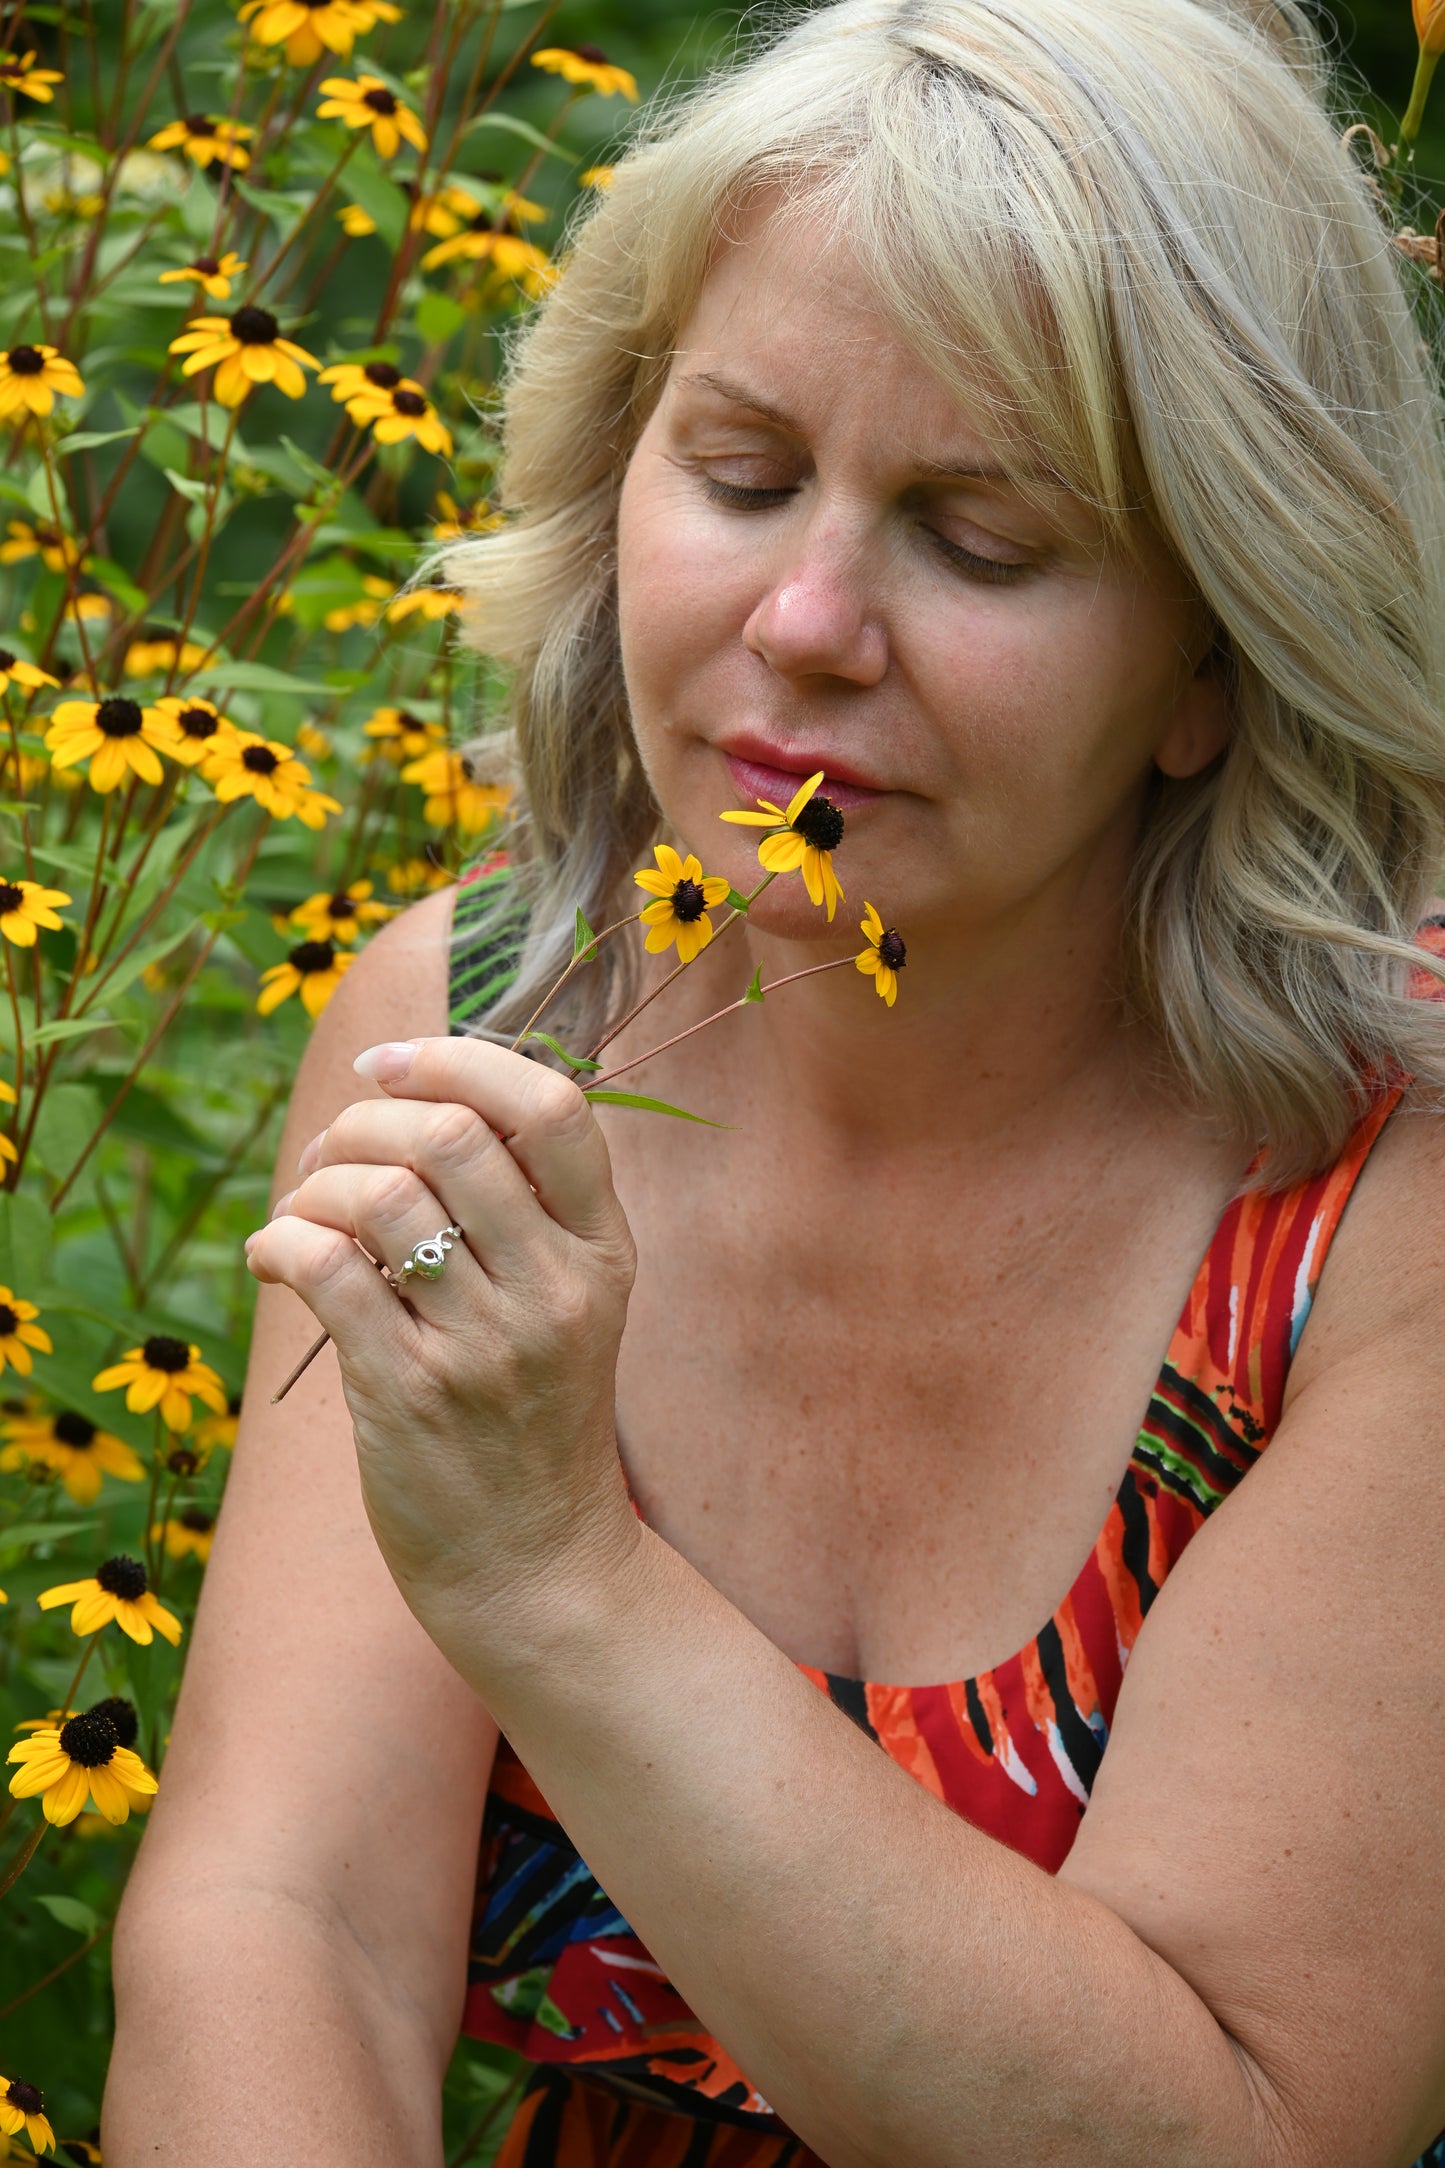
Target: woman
1014, 415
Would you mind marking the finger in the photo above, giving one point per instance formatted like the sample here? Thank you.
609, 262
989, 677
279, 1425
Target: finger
465, 1167
389, 1210
348, 1295
542, 1117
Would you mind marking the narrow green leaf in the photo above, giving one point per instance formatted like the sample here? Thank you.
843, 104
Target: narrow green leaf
583, 939
196, 491
653, 1106
18, 805
141, 960
573, 1061
256, 677
71, 1912
509, 123
739, 903
86, 440
755, 986
71, 1027
378, 196
22, 1534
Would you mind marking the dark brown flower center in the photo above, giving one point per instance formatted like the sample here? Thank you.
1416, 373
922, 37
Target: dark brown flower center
198, 723
7, 660
260, 760
123, 1577
892, 950
380, 100
11, 897
25, 361
199, 1523
255, 327
161, 1352
342, 907
76, 1431
199, 124
182, 1461
207, 264
309, 956
90, 1739
27, 2098
119, 718
382, 374
688, 902
8, 1320
821, 824
121, 1715
412, 403
593, 54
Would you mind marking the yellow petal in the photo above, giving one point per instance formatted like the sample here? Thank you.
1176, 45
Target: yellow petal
800, 797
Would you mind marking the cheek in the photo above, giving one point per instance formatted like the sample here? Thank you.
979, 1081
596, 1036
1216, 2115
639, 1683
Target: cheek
685, 588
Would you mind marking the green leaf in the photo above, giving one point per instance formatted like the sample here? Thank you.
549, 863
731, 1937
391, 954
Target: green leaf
755, 986
19, 805
141, 960
22, 1534
583, 938
118, 583
86, 440
510, 125
71, 1027
25, 1237
307, 464
653, 1106
68, 1118
438, 318
71, 1912
256, 677
378, 196
197, 492
739, 903
573, 1061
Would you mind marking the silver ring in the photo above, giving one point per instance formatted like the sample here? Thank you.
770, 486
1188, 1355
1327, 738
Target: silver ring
428, 1259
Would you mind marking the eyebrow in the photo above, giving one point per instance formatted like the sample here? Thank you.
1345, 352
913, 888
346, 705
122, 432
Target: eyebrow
944, 470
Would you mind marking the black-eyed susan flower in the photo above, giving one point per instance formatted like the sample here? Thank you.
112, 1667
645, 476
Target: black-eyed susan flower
808, 832
405, 412
482, 241
166, 1373
214, 1430
30, 377
597, 176
244, 349
22, 73
432, 603
7, 1144
340, 914
22, 2107
66, 1764
213, 274
684, 895
884, 956
458, 520
188, 1534
118, 736
118, 1590
87, 609
309, 28
56, 549
452, 798
314, 969
209, 142
197, 727
367, 103
314, 741
365, 610
19, 1334
399, 736
15, 670
355, 221
24, 905
75, 1447
587, 67
416, 877
349, 380
246, 765
156, 654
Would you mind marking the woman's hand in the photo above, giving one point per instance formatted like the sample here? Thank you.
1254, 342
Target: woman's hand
482, 1401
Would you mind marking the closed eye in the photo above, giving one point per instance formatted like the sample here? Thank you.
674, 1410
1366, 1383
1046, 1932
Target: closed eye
739, 498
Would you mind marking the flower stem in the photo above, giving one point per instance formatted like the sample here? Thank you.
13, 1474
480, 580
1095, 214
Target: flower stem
1419, 91
637, 1010
596, 1083
548, 998
86, 1653
22, 1858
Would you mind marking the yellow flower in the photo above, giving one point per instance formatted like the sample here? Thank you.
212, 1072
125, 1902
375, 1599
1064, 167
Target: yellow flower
685, 894
1430, 25
417, 876
307, 28
430, 602
452, 797
22, 2106
588, 67
30, 376
808, 833
480, 241
362, 380
209, 142
247, 765
884, 956
55, 549
367, 103
363, 612
400, 735
18, 1335
405, 412
22, 74
119, 1590
157, 654
244, 349
212, 273
339, 915
314, 741
80, 1759
356, 221
314, 969
478, 518
14, 670
24, 905
190, 1532
597, 177
85, 609
197, 726
163, 1372
74, 1446
214, 1430
7, 1147
117, 735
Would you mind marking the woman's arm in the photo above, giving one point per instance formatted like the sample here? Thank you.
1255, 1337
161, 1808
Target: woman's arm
290, 1956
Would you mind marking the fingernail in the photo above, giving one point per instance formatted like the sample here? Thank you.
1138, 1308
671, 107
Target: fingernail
255, 1236
282, 1204
311, 1154
387, 1062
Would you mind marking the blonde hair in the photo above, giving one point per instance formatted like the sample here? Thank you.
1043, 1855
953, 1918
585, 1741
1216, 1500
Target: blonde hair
1131, 228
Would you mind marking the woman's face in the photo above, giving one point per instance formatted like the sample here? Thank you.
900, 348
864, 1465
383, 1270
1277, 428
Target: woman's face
813, 573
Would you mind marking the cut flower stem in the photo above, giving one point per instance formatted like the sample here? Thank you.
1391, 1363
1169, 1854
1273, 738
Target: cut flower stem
744, 1001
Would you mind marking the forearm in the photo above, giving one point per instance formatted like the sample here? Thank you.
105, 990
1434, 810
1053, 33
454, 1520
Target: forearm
898, 1985
247, 2029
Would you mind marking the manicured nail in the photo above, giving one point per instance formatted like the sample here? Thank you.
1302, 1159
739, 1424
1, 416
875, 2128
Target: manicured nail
282, 1204
311, 1154
388, 1062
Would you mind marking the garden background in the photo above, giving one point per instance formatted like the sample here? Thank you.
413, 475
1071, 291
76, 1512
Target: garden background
228, 754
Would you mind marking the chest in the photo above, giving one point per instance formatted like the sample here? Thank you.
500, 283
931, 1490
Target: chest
888, 1421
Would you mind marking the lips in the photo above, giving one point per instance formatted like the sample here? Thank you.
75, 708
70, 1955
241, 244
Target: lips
756, 775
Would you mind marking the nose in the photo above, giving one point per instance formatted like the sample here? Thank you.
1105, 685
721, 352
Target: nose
816, 621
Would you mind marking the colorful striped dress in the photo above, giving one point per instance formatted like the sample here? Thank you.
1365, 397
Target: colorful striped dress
626, 2076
